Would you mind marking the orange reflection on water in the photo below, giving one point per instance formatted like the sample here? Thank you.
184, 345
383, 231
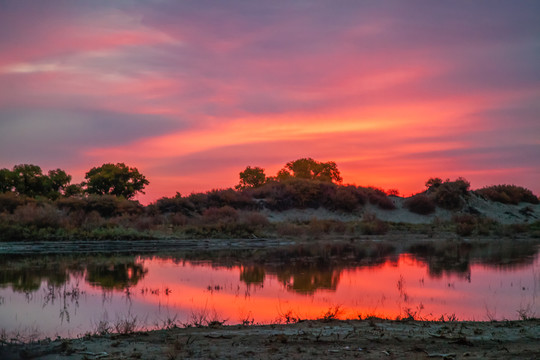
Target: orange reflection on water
394, 289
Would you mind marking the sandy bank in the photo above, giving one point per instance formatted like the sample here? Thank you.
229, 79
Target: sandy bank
366, 339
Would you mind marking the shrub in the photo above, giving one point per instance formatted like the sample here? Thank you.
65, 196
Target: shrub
177, 204
177, 219
10, 201
465, 224
289, 229
42, 216
347, 198
508, 194
229, 197
224, 214
288, 194
420, 204
450, 194
468, 224
105, 205
371, 225
92, 220
254, 220
199, 201
71, 204
379, 198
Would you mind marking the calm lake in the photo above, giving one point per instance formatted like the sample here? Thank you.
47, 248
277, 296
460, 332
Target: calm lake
70, 296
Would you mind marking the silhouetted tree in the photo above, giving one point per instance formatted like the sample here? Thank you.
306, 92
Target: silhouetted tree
73, 190
59, 180
115, 179
310, 169
30, 181
7, 179
434, 183
251, 177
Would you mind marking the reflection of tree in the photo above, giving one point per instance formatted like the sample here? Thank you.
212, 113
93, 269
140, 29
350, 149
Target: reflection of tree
457, 258
115, 276
252, 275
30, 279
309, 280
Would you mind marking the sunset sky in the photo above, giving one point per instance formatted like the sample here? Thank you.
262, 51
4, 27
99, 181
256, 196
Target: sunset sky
191, 92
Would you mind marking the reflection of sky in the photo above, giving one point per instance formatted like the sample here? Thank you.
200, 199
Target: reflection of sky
192, 92
217, 294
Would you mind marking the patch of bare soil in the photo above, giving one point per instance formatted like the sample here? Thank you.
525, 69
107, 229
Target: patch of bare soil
347, 339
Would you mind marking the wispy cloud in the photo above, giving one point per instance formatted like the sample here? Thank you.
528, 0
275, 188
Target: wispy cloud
394, 92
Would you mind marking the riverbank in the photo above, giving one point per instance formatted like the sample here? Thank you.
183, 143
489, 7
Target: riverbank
345, 339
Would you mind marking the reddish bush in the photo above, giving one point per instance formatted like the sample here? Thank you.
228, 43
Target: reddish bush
105, 205
254, 219
371, 225
347, 198
229, 197
420, 204
41, 216
288, 229
224, 214
379, 198
71, 204
508, 194
9, 202
177, 204
450, 194
465, 224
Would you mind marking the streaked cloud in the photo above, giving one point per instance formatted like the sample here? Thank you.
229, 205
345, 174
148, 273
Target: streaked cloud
192, 92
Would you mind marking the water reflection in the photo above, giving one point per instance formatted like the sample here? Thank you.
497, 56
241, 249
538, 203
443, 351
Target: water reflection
427, 280
115, 276
29, 278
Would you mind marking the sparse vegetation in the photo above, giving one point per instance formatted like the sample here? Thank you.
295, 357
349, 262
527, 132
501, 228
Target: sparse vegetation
103, 209
508, 194
420, 204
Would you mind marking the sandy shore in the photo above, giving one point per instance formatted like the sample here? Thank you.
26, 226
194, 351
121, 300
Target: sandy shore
347, 339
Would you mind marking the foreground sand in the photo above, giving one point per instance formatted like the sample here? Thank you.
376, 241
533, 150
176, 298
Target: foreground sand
367, 339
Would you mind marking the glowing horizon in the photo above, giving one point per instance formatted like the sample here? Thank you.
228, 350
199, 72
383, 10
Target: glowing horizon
192, 93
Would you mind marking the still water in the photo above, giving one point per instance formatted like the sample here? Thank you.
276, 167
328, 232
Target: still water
70, 296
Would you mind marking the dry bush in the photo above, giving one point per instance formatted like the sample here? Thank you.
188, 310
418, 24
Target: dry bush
254, 219
420, 204
130, 207
230, 197
508, 194
378, 197
347, 198
105, 205
10, 201
224, 214
41, 216
450, 194
126, 325
145, 222
371, 225
199, 201
317, 227
139, 222
177, 204
178, 219
468, 224
289, 229
92, 221
465, 224
71, 204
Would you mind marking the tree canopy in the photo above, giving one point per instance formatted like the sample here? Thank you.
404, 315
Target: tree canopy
29, 180
115, 179
251, 177
307, 168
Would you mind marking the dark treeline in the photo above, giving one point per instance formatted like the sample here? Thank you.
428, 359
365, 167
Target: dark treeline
34, 205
